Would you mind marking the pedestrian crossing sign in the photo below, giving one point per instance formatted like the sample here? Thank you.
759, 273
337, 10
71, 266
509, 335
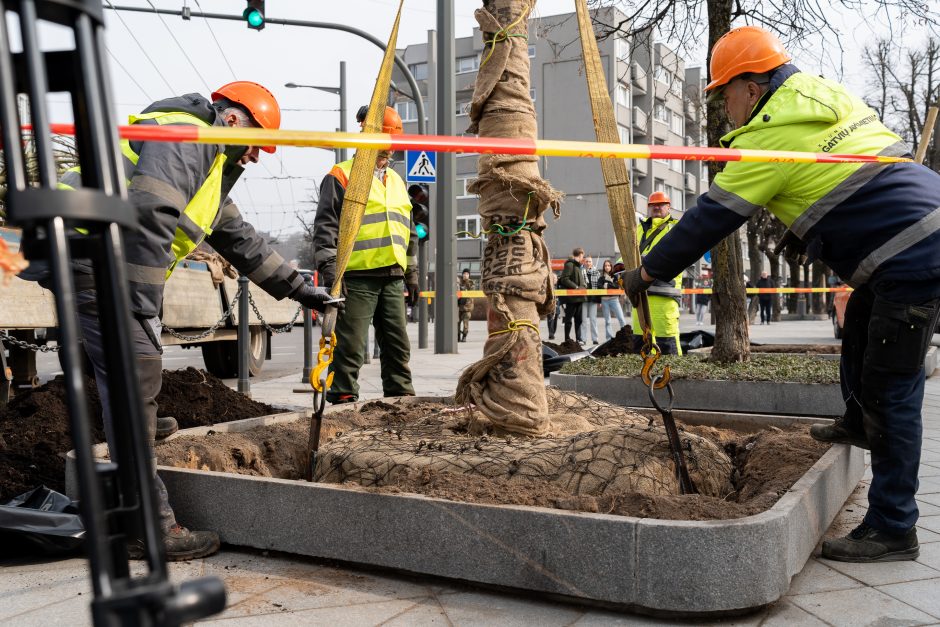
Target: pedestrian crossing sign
420, 166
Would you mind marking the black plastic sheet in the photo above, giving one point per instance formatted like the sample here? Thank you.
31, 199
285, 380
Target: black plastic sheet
40, 522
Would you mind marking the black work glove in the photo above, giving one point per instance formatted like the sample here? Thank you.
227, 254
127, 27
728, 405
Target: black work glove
316, 298
792, 248
412, 293
633, 283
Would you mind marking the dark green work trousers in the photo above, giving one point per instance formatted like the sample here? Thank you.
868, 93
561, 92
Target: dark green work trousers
379, 301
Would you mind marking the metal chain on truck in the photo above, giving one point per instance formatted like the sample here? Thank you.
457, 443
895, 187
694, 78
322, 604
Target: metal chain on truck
284, 329
9, 340
210, 330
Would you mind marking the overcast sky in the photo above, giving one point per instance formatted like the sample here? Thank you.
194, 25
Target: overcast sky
196, 59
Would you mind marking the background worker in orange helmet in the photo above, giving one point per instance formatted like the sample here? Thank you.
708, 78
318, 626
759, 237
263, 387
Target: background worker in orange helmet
664, 296
382, 264
878, 224
180, 192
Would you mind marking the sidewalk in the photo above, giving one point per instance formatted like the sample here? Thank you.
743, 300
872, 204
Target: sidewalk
278, 589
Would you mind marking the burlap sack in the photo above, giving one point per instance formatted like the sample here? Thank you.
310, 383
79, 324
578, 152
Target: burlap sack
507, 384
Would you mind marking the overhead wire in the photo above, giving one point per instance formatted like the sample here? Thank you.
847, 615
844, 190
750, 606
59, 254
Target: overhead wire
142, 49
179, 45
216, 40
129, 75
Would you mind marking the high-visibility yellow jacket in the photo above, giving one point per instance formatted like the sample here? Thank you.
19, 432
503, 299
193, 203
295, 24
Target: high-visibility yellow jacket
179, 194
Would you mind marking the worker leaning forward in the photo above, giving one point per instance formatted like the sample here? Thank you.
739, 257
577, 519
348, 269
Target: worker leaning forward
381, 265
876, 224
664, 296
180, 192
465, 305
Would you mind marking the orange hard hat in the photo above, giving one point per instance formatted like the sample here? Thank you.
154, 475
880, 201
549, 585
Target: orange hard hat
260, 103
742, 50
658, 198
391, 121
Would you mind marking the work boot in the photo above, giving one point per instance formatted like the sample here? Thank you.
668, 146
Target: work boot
845, 430
867, 544
166, 426
181, 545
342, 398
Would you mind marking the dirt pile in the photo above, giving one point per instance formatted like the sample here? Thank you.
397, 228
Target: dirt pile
759, 467
621, 344
35, 434
565, 348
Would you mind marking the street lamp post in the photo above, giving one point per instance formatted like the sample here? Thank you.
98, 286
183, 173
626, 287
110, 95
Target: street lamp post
341, 154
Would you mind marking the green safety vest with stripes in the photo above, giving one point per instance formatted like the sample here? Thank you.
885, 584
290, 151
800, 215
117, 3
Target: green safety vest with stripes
386, 224
197, 219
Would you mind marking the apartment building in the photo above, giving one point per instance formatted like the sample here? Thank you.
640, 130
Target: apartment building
656, 101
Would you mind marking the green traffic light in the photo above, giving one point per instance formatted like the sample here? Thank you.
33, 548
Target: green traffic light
421, 230
254, 17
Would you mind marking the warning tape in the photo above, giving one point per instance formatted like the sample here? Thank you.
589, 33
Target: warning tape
691, 290
486, 145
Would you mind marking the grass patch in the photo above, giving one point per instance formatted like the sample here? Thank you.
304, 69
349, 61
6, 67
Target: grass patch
798, 369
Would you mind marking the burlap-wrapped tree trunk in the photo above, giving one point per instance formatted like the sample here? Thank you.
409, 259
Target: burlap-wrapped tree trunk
507, 384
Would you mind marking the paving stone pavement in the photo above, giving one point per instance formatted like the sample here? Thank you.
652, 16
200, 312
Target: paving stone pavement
278, 589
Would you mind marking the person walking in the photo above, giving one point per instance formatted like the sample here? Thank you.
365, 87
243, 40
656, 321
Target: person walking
591, 277
180, 193
610, 304
382, 264
850, 216
664, 295
701, 302
763, 299
464, 305
572, 278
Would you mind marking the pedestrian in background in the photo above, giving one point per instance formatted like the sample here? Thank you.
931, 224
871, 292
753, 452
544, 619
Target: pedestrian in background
591, 277
765, 300
464, 305
610, 305
572, 278
701, 302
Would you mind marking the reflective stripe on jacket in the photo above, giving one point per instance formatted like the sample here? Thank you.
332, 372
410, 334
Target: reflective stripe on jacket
651, 232
385, 231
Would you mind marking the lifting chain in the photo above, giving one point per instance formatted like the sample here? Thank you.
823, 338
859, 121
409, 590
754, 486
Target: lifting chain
284, 329
9, 340
210, 330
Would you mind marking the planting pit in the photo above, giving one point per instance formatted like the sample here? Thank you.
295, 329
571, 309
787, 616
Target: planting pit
656, 553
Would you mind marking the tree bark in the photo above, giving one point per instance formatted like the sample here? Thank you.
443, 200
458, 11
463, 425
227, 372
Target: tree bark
732, 337
774, 262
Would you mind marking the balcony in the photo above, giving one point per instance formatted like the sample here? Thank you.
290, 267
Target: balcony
690, 182
639, 121
638, 78
641, 167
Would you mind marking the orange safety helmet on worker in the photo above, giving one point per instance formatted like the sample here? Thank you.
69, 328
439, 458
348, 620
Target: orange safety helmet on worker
658, 198
745, 50
391, 121
257, 100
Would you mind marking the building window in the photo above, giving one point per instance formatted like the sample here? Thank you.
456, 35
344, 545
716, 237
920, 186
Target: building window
532, 94
659, 142
676, 165
468, 64
621, 49
531, 51
624, 134
467, 225
676, 198
660, 112
623, 96
659, 185
663, 75
677, 123
462, 188
408, 110
676, 88
419, 70
463, 108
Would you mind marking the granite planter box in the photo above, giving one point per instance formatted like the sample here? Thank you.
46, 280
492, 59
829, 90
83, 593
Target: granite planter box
758, 397
651, 566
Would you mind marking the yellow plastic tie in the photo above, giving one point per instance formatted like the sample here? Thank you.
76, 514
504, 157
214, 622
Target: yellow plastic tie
502, 35
516, 325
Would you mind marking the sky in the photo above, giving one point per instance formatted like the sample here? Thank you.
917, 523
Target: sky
154, 57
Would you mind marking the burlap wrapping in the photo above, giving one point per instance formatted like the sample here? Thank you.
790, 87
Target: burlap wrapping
507, 383
619, 452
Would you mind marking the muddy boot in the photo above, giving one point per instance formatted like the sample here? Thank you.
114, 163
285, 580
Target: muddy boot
181, 545
867, 544
846, 430
166, 426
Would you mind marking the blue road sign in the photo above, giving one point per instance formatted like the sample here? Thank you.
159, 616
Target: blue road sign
420, 166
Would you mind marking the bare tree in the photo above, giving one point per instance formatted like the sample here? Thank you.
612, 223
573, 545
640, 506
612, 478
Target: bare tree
63, 150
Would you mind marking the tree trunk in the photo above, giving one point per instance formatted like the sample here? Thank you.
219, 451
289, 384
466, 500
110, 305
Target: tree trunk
774, 263
792, 299
732, 340
819, 280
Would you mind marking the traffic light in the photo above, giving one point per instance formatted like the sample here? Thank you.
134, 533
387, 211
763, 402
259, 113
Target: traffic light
419, 211
254, 14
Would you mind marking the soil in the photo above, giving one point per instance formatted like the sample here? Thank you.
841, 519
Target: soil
35, 434
765, 466
809, 349
565, 348
621, 344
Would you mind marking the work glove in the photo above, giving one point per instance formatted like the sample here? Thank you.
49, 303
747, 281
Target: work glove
412, 293
317, 298
792, 248
633, 283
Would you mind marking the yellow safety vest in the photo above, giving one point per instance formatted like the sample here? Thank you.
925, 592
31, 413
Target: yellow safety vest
386, 224
196, 221
658, 228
